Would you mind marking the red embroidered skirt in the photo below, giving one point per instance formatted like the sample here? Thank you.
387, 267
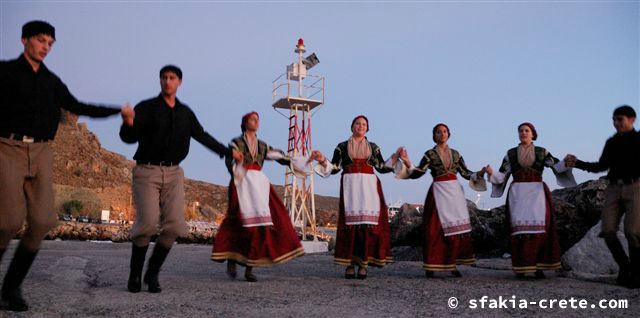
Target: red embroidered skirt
259, 245
533, 252
442, 253
363, 245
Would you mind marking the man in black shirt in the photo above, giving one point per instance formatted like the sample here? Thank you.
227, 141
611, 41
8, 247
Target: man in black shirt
621, 156
163, 128
31, 98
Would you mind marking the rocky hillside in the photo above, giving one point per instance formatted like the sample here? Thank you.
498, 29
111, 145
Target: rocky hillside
101, 179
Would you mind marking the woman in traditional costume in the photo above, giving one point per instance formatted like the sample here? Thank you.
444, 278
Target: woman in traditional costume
257, 230
534, 239
447, 227
362, 238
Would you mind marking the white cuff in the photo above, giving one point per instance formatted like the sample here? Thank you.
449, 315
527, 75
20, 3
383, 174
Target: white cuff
564, 175
401, 171
389, 162
476, 183
274, 155
497, 177
561, 167
324, 168
300, 166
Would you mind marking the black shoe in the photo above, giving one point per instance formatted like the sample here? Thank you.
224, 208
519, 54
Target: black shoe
621, 258
13, 301
135, 266
232, 273
151, 279
540, 274
361, 275
155, 263
250, 277
429, 274
520, 275
11, 293
348, 275
456, 273
624, 277
634, 277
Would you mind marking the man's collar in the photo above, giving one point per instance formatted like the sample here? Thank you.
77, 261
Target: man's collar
630, 132
161, 98
42, 69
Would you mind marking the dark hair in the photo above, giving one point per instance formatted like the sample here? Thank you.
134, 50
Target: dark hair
433, 134
534, 132
33, 28
171, 68
245, 119
358, 117
625, 110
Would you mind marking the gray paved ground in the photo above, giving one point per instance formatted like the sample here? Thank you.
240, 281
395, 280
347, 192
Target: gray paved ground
84, 279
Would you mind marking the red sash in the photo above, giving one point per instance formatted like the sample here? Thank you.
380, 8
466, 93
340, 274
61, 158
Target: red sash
358, 166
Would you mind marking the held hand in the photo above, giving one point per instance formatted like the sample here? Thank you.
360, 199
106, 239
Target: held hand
317, 156
407, 162
395, 156
238, 157
127, 110
488, 169
570, 161
404, 155
128, 114
482, 172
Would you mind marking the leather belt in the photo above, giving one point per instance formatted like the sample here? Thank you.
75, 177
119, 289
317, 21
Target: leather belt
158, 163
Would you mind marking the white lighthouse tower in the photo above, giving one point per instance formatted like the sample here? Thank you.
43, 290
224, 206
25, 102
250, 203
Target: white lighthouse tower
297, 95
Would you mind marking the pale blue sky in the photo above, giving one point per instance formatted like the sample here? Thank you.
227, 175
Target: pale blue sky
482, 67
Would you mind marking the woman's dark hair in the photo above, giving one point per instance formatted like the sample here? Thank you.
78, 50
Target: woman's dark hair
436, 128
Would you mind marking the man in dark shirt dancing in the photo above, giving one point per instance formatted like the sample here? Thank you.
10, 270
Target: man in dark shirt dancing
163, 127
621, 157
31, 99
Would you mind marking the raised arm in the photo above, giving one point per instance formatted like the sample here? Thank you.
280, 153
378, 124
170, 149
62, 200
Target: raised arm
381, 165
476, 179
278, 156
560, 168
463, 170
69, 102
601, 165
325, 168
129, 131
408, 171
200, 135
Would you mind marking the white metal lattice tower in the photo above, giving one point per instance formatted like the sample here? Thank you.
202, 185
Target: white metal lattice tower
292, 93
